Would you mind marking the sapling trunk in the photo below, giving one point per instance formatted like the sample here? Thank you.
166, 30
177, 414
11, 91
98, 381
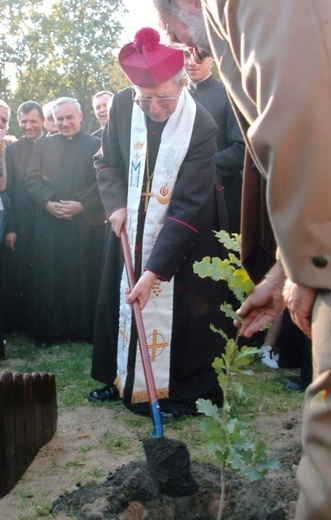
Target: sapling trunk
224, 417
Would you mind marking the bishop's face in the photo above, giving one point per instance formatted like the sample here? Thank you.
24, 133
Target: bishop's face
159, 102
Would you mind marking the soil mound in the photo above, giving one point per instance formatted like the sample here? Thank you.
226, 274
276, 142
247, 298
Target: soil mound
131, 493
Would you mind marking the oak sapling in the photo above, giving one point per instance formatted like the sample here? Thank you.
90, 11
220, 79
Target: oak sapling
230, 439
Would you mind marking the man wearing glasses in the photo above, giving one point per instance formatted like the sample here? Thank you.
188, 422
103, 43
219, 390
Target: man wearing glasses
156, 176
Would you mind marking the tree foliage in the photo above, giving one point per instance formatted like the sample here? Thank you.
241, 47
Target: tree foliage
60, 48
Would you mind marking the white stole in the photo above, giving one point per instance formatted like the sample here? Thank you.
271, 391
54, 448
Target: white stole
157, 314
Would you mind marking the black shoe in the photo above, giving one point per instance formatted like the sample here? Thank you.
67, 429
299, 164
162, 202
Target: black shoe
107, 393
295, 385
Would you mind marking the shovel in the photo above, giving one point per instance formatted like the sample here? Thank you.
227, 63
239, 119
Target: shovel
146, 362
168, 460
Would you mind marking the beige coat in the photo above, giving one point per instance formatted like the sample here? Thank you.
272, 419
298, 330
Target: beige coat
276, 65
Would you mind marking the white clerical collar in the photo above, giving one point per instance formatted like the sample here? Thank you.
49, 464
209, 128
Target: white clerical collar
194, 85
37, 139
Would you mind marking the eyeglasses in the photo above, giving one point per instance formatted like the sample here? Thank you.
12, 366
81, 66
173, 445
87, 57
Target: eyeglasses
145, 103
196, 55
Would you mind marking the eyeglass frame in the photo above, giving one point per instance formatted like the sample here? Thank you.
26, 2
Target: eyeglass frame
159, 101
198, 55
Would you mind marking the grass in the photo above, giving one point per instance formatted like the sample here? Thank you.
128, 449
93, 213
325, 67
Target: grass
265, 391
71, 364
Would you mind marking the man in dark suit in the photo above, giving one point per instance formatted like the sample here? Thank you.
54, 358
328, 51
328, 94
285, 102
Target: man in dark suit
67, 243
229, 157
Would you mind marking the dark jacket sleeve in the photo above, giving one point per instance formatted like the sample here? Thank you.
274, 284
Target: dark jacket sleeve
90, 197
10, 224
229, 160
191, 203
39, 190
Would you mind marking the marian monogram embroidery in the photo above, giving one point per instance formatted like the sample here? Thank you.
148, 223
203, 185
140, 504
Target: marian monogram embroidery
135, 168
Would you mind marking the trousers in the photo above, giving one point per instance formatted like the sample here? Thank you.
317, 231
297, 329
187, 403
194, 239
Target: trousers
314, 471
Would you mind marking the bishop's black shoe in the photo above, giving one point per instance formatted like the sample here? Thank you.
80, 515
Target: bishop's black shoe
107, 393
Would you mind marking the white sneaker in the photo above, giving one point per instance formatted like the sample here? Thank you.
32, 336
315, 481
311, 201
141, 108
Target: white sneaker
268, 357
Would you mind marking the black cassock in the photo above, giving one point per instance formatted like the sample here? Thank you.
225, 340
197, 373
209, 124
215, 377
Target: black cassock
16, 272
67, 254
196, 302
230, 152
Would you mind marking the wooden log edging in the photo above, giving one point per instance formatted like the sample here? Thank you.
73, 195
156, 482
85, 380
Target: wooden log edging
28, 420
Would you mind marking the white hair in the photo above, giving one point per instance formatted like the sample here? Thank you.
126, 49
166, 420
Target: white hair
62, 100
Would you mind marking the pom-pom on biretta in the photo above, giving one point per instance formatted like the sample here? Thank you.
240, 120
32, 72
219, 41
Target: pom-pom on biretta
148, 37
146, 62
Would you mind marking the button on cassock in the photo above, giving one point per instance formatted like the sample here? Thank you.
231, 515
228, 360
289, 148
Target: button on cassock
319, 261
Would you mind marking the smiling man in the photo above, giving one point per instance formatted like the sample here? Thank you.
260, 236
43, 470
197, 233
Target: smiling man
156, 176
67, 244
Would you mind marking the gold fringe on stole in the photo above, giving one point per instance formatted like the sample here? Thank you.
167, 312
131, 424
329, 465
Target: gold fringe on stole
120, 386
142, 397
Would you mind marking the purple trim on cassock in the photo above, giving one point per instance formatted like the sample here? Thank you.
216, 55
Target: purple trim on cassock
183, 224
